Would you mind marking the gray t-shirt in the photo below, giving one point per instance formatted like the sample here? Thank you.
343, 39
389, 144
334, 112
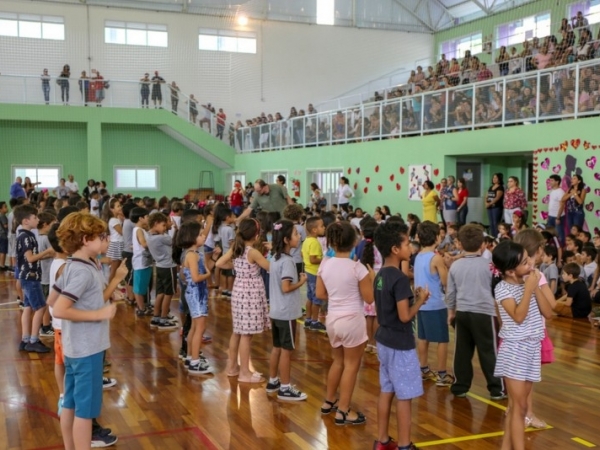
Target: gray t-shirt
296, 253
161, 249
83, 283
550, 271
226, 235
44, 244
274, 201
128, 236
284, 306
470, 286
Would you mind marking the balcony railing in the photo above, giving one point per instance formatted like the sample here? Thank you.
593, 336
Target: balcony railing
569, 91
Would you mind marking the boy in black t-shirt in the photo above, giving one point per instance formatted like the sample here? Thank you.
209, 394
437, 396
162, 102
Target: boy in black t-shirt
577, 302
399, 372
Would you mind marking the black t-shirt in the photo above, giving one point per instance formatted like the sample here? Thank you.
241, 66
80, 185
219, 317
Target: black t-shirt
582, 301
491, 195
392, 286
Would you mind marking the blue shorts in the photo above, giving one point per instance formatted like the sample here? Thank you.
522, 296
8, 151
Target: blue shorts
17, 271
311, 289
83, 385
432, 326
237, 210
208, 249
399, 372
197, 301
3, 245
33, 294
141, 280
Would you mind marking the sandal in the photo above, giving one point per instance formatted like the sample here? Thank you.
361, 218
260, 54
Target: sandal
361, 419
534, 422
255, 378
332, 406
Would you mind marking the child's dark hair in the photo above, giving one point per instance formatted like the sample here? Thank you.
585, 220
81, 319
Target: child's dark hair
282, 230
506, 256
23, 212
566, 255
312, 223
107, 213
504, 225
247, 230
64, 212
428, 233
155, 218
585, 233
127, 208
45, 218
208, 209
551, 251
388, 235
470, 237
590, 251
293, 212
341, 236
2, 204
328, 218
191, 215
367, 227
572, 269
577, 227
221, 213
187, 234
578, 245
53, 238
137, 213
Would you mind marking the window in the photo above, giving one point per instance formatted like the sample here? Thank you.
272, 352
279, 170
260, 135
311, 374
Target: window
456, 48
48, 176
136, 177
590, 10
232, 176
131, 33
32, 26
227, 41
523, 29
325, 12
271, 176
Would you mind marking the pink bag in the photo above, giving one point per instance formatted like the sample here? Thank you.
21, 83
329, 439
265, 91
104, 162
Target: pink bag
547, 349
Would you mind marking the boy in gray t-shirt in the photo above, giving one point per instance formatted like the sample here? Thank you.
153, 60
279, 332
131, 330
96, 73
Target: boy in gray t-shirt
46, 221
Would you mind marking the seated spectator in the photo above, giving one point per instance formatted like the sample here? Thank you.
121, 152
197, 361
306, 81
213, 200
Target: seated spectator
413, 77
484, 73
454, 73
339, 126
515, 61
549, 104
502, 61
542, 59
420, 75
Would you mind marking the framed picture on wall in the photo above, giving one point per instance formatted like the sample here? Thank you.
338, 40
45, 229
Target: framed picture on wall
417, 175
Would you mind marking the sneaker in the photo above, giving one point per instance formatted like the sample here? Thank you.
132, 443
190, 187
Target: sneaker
154, 322
144, 312
500, 396
100, 441
429, 375
318, 326
461, 395
226, 294
390, 445
273, 387
182, 353
108, 382
446, 380
202, 368
206, 339
166, 325
22, 346
307, 323
36, 347
171, 318
291, 394
47, 333
186, 362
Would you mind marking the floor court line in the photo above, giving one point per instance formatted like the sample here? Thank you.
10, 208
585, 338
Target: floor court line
583, 442
472, 437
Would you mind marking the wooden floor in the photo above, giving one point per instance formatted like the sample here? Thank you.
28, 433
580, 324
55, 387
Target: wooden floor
157, 406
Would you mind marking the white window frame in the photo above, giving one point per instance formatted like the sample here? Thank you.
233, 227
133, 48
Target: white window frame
230, 180
270, 176
472, 48
45, 24
231, 41
35, 179
497, 45
325, 12
127, 28
136, 168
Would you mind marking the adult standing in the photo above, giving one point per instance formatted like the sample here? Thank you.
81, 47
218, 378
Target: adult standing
236, 198
89, 189
29, 186
449, 196
344, 194
463, 197
556, 207
221, 118
268, 197
84, 87
316, 198
46, 86
145, 90
514, 199
17, 190
63, 82
281, 180
207, 116
494, 202
174, 96
99, 86
573, 202
431, 202
157, 80
72, 185
62, 191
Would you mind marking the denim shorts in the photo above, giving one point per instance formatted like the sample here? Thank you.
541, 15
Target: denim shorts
33, 295
311, 289
399, 372
197, 302
83, 385
432, 326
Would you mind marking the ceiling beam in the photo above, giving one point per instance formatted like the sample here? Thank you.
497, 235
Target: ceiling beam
483, 7
421, 21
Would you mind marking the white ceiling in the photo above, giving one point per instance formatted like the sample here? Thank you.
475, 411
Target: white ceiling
424, 16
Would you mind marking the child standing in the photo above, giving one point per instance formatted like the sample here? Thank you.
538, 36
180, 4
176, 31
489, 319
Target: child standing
196, 294
472, 310
112, 214
248, 300
399, 372
312, 255
294, 212
160, 246
432, 320
285, 309
226, 235
46, 220
141, 262
127, 254
3, 235
519, 355
30, 276
78, 299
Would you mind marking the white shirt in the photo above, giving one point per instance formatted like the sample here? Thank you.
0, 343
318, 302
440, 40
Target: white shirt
115, 236
356, 222
589, 269
556, 196
95, 207
344, 194
73, 186
57, 263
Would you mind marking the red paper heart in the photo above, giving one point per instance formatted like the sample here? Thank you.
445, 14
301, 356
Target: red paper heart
398, 187
355, 186
367, 179
575, 143
594, 147
358, 170
436, 172
392, 177
366, 189
376, 169
349, 170
438, 186
402, 170
380, 188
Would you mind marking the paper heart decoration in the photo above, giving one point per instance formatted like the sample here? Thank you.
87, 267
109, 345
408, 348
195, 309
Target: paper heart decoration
380, 188
575, 143
392, 177
398, 187
597, 191
594, 147
598, 213
597, 231
349, 170
366, 189
358, 170
376, 169
590, 206
438, 186
402, 170
545, 164
556, 169
546, 200
367, 179
597, 176
587, 189
355, 186
436, 172
586, 144
591, 162
544, 215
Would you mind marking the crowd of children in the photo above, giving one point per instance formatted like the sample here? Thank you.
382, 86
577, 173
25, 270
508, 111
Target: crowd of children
367, 279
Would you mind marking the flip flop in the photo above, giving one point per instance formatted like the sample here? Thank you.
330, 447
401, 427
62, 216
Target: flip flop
255, 378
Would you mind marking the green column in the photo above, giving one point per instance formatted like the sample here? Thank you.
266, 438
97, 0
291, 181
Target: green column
94, 149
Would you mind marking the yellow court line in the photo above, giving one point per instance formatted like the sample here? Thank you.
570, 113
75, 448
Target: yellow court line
472, 437
583, 442
486, 401
10, 309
